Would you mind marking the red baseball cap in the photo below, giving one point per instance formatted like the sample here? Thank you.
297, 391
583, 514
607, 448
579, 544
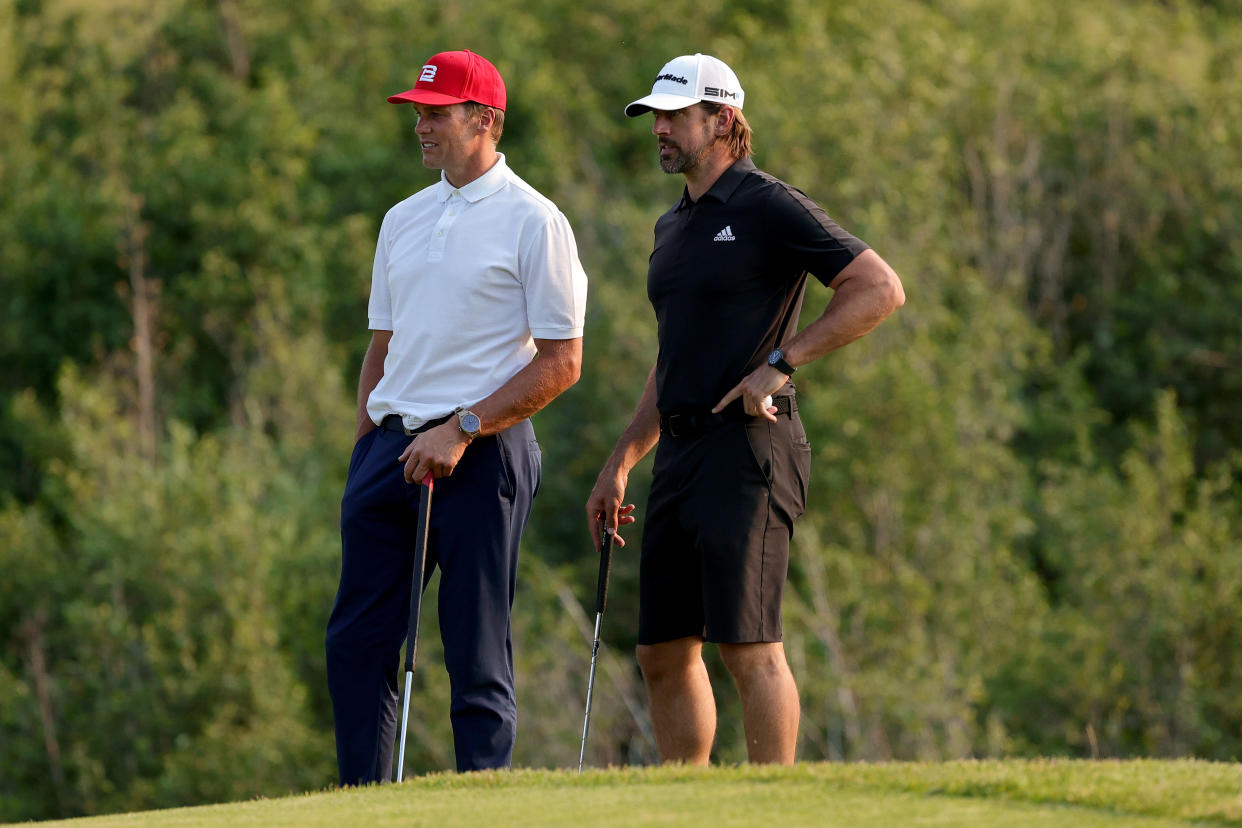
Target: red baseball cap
456, 77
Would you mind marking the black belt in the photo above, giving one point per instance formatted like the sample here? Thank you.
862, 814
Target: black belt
691, 423
393, 422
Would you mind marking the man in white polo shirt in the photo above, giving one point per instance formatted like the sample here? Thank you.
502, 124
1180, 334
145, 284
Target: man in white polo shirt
476, 311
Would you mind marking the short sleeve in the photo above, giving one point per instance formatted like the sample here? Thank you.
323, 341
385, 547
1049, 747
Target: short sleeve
379, 306
807, 238
553, 279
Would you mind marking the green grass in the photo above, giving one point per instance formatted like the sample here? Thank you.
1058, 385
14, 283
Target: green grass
991, 793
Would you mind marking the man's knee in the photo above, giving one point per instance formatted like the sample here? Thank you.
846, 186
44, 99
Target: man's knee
762, 661
669, 659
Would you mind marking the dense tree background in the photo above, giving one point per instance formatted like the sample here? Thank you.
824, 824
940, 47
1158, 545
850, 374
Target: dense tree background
1024, 530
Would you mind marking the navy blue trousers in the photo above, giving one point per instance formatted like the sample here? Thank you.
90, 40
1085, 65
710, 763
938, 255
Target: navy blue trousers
477, 518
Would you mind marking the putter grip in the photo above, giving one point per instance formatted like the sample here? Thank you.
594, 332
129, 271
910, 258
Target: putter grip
605, 565
420, 563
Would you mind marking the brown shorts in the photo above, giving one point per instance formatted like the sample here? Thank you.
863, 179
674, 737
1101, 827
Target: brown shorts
716, 536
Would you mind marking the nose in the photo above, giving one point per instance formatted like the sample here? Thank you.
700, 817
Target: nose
660, 125
422, 127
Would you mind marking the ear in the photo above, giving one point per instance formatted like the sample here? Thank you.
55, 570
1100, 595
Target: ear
487, 117
724, 120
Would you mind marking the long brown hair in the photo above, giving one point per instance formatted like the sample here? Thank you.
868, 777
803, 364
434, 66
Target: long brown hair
738, 137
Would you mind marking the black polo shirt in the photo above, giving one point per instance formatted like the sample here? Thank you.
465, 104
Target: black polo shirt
727, 276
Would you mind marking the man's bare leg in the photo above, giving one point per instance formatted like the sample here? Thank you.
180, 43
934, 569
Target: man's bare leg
770, 706
683, 710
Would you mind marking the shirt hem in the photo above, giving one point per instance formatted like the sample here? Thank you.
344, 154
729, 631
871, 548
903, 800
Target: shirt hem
555, 333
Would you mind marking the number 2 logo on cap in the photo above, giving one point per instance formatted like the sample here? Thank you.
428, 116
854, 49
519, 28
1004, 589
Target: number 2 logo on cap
428, 75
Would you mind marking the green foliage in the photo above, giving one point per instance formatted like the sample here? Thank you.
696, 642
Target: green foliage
1022, 536
1140, 649
155, 610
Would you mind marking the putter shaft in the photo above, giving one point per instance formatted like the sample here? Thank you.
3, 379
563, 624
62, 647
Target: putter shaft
586, 722
405, 718
601, 598
416, 595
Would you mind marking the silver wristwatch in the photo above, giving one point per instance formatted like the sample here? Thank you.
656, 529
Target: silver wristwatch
468, 421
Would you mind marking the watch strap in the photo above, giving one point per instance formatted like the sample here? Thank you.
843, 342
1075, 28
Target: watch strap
780, 364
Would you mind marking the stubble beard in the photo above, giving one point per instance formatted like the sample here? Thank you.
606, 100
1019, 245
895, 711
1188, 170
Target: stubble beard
685, 160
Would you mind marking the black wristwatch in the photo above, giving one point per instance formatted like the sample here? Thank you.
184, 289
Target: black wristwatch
777, 360
468, 422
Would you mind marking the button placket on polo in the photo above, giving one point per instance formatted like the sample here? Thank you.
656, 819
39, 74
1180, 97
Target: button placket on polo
439, 235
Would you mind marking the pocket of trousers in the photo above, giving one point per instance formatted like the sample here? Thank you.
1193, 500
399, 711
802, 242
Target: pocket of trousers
802, 469
504, 460
535, 456
801, 461
784, 458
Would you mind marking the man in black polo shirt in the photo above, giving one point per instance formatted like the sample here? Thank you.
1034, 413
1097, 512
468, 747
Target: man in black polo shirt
726, 279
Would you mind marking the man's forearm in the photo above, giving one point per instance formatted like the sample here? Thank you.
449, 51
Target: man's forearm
556, 367
641, 434
860, 303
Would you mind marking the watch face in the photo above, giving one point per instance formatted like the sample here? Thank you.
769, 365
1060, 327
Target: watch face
470, 423
774, 357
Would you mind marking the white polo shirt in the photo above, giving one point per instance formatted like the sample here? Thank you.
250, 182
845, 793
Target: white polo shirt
467, 279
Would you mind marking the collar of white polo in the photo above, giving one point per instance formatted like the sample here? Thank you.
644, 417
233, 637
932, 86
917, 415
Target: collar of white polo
488, 183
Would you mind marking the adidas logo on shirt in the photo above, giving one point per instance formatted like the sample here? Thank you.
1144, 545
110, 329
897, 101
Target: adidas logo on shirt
726, 234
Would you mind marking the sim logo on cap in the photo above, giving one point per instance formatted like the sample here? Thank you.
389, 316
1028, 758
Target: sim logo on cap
428, 75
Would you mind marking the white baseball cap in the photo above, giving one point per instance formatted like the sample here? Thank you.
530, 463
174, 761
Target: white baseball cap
688, 79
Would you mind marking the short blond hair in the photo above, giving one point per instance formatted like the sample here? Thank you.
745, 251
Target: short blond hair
475, 109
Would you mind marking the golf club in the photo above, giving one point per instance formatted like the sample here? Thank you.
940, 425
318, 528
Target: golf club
416, 601
601, 595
